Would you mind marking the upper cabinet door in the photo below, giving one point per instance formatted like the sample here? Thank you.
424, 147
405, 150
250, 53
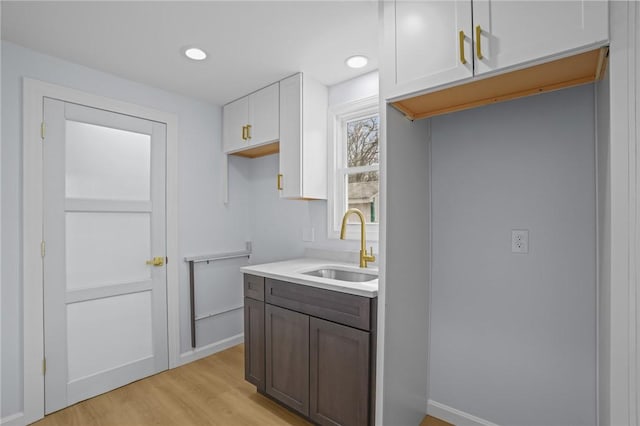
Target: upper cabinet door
516, 32
433, 43
290, 177
264, 115
235, 117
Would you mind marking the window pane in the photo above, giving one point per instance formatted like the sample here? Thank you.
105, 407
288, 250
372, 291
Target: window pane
362, 141
106, 163
107, 248
363, 194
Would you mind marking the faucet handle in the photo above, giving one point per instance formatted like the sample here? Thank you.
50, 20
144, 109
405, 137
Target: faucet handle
370, 257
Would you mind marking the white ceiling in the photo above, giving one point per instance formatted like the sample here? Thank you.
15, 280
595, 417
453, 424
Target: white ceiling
250, 44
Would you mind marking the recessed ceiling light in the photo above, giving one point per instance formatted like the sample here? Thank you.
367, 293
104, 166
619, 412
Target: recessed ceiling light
195, 53
357, 61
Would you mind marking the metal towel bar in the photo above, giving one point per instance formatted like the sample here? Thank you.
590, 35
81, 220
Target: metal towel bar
192, 260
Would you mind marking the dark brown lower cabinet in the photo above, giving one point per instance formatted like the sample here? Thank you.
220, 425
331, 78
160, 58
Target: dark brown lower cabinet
287, 357
339, 374
312, 350
254, 343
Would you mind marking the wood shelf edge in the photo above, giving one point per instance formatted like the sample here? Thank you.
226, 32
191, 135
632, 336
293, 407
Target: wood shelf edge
562, 73
259, 151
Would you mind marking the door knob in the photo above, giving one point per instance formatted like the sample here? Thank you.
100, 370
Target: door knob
156, 261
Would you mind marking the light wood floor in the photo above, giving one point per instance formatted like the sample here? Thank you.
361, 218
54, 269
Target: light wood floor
211, 391
432, 421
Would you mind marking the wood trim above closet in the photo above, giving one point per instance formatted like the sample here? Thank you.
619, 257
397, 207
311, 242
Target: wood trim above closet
572, 71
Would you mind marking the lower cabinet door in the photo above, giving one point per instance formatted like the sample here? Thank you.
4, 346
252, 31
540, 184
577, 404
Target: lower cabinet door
254, 343
287, 342
339, 373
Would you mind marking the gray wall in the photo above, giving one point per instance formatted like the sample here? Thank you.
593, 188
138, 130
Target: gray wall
513, 336
604, 248
276, 224
206, 225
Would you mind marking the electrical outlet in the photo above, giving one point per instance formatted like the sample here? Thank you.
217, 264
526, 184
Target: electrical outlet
519, 241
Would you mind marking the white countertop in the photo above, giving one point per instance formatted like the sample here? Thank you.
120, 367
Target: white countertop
292, 271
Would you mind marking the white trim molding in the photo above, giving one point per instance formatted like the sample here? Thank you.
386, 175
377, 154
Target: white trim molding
453, 416
13, 420
210, 349
618, 372
34, 92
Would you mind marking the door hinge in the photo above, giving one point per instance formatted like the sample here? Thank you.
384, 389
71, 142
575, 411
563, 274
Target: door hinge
43, 128
44, 366
42, 249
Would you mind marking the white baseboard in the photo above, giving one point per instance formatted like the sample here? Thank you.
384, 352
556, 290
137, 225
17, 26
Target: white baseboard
453, 416
16, 419
210, 349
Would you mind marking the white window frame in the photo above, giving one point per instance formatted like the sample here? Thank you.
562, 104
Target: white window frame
336, 203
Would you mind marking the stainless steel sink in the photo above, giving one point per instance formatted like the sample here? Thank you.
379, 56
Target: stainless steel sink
342, 275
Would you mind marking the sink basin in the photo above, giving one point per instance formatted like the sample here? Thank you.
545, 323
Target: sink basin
342, 275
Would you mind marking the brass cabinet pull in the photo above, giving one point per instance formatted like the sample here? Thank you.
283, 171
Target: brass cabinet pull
156, 261
279, 181
249, 131
478, 44
244, 133
461, 39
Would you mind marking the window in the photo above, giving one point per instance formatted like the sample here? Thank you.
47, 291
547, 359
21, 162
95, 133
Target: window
355, 174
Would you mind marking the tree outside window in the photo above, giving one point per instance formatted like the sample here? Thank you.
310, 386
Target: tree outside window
361, 174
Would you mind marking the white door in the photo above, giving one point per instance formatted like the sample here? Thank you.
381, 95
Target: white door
104, 217
235, 116
514, 32
264, 113
429, 50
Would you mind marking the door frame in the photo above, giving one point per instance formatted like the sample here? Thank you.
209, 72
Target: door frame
34, 91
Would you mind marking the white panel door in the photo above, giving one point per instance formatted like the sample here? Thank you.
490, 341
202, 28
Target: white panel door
264, 113
515, 32
235, 116
105, 307
429, 50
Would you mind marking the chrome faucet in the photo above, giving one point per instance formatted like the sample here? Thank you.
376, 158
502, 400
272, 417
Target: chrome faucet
364, 256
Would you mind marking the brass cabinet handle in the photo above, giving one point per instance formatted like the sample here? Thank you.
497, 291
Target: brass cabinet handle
156, 261
249, 131
478, 44
279, 181
244, 133
461, 39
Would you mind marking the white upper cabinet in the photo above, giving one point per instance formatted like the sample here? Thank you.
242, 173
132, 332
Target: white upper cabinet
443, 43
235, 116
264, 115
433, 43
303, 138
516, 32
252, 120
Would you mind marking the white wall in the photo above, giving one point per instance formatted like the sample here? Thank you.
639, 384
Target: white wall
351, 90
513, 336
206, 225
406, 279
